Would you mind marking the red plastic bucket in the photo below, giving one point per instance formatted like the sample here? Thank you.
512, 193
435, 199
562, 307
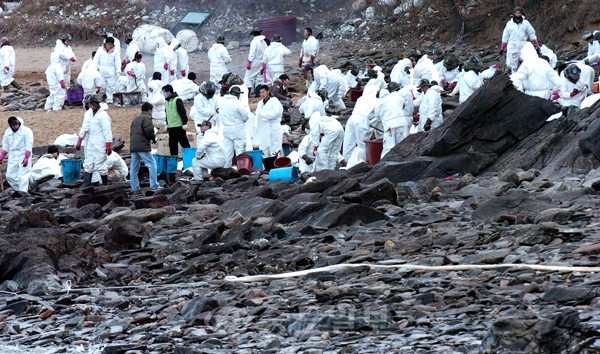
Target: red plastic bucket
244, 163
282, 162
355, 94
374, 149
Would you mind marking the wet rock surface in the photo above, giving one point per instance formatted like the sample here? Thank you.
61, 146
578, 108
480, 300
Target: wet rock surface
111, 271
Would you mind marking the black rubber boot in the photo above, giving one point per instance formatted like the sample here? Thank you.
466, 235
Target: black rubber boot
87, 179
16, 85
104, 180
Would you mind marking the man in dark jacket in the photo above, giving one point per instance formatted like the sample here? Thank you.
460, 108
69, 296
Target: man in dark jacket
280, 90
140, 135
176, 120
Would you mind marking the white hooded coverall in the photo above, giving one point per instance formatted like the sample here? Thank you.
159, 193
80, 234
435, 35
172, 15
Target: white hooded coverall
430, 107
156, 98
425, 69
54, 75
16, 144
135, 83
7, 59
330, 143
270, 114
164, 55
109, 65
567, 87
219, 58
535, 76
89, 79
323, 79
210, 153
97, 128
310, 47
255, 56
233, 115
204, 109
116, 166
396, 126
357, 126
183, 62
468, 83
65, 53
399, 75
273, 58
132, 48
313, 103
515, 35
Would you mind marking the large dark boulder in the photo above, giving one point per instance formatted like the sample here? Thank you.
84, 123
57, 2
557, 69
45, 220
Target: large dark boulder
489, 123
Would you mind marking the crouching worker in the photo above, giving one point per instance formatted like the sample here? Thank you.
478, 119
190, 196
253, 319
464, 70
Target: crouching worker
210, 153
46, 165
17, 143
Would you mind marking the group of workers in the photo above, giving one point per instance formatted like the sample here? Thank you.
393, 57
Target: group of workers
225, 125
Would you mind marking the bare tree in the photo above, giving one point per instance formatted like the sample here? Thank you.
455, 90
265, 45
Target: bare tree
457, 21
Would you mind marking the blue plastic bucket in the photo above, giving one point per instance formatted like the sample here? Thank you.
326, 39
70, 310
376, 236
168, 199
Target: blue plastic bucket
284, 174
256, 158
171, 163
188, 154
160, 164
71, 170
286, 150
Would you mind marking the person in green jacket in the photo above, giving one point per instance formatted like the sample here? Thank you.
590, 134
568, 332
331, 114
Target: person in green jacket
176, 120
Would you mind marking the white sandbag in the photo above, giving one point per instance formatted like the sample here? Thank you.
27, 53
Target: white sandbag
294, 156
66, 139
358, 155
590, 100
188, 39
146, 36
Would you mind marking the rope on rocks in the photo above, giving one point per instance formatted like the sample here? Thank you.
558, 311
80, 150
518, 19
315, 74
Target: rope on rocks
69, 288
547, 268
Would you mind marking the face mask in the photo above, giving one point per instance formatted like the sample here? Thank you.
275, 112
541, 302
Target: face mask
13, 129
165, 95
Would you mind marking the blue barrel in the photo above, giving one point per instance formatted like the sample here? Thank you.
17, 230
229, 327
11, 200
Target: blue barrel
256, 158
171, 163
160, 164
187, 154
284, 174
71, 169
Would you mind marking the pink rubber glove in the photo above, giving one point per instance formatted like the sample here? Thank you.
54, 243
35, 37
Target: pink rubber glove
108, 148
62, 84
172, 72
183, 72
98, 88
503, 45
555, 95
72, 59
3, 154
26, 159
130, 73
166, 66
496, 67
78, 146
265, 77
248, 65
535, 41
6, 68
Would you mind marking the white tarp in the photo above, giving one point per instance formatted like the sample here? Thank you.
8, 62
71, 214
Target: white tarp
188, 39
146, 36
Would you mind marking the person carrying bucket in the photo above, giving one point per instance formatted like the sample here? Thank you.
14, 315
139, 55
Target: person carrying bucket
210, 153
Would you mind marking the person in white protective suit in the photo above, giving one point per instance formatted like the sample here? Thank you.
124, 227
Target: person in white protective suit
573, 90
391, 111
468, 82
516, 33
210, 153
535, 76
7, 65
205, 107
430, 106
593, 53
185, 87
273, 60
117, 169
66, 55
353, 76
219, 58
358, 125
308, 53
134, 79
268, 112
164, 60
183, 62
315, 102
450, 73
324, 79
17, 143
255, 59
307, 152
233, 115
587, 73
547, 50
437, 57
47, 164
374, 80
105, 33
90, 60
90, 80
133, 47
328, 135
109, 65
174, 63
401, 71
97, 128
56, 84
156, 98
423, 68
